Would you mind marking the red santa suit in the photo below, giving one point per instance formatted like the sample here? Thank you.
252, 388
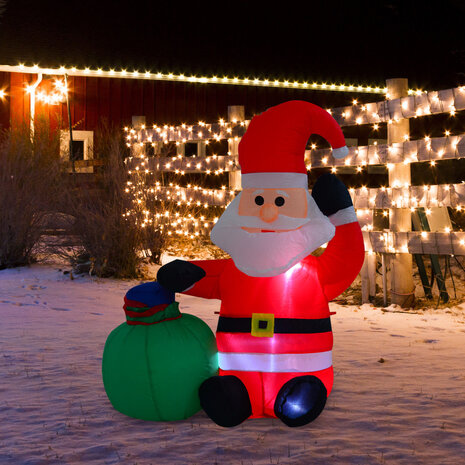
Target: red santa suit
276, 327
301, 341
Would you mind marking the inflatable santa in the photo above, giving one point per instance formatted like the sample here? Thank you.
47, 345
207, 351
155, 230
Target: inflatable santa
274, 332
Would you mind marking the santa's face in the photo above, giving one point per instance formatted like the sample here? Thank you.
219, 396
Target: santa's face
267, 231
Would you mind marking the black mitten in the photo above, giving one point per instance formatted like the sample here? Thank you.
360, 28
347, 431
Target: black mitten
331, 194
178, 275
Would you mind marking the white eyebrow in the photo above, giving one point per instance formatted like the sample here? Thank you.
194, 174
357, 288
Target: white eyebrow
258, 191
284, 194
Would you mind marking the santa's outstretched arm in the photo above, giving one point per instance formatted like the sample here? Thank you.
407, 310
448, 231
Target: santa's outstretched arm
199, 278
343, 258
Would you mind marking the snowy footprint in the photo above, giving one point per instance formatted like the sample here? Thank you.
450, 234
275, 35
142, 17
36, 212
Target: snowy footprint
35, 287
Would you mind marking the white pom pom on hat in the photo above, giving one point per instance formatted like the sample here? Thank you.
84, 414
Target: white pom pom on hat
341, 152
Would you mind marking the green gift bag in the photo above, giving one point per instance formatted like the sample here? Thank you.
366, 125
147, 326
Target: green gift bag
154, 364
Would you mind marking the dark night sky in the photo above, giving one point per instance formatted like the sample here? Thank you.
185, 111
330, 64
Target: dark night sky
340, 41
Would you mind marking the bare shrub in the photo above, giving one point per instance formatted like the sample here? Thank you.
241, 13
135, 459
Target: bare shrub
107, 220
200, 248
29, 186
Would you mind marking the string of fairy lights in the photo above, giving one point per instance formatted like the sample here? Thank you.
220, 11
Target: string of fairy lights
412, 197
413, 106
416, 242
219, 80
56, 96
366, 200
428, 149
186, 133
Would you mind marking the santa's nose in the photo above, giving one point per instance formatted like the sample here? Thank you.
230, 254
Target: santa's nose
269, 212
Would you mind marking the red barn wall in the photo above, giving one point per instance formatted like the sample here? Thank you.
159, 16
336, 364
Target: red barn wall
117, 100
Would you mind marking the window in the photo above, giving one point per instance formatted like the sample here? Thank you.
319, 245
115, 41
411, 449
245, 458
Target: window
78, 149
83, 144
190, 148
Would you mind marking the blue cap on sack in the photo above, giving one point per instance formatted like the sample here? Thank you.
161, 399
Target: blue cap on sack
150, 294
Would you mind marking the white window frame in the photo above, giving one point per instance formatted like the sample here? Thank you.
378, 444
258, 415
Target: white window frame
86, 136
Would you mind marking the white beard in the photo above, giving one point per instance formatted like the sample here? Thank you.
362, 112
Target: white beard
270, 254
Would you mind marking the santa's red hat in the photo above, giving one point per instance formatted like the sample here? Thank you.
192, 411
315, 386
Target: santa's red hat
272, 151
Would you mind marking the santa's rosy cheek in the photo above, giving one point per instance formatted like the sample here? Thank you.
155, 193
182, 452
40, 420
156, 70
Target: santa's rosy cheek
248, 206
295, 208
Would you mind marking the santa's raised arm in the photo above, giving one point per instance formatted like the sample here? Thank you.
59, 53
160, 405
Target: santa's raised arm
274, 332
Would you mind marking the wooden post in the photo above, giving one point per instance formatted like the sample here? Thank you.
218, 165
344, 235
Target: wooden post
402, 287
235, 113
368, 277
201, 149
365, 277
371, 261
180, 149
32, 104
137, 123
383, 268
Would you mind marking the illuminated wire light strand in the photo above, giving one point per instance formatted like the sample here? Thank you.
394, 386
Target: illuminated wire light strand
148, 75
413, 106
422, 150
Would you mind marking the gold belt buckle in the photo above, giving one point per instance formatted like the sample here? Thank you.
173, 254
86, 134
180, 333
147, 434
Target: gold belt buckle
262, 324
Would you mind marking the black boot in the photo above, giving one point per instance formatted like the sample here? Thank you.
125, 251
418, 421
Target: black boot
225, 400
300, 400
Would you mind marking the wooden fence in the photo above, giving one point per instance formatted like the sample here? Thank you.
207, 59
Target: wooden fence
399, 195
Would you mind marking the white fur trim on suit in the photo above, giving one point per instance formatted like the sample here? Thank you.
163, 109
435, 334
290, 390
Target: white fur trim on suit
275, 363
341, 152
344, 216
274, 180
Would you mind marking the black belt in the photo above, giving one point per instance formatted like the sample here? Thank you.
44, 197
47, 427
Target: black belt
281, 325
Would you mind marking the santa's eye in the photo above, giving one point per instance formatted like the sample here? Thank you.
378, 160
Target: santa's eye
259, 200
279, 201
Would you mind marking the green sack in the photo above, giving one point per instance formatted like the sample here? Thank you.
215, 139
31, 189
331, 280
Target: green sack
153, 365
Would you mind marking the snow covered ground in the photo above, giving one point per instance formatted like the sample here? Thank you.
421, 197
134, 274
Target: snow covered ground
398, 397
